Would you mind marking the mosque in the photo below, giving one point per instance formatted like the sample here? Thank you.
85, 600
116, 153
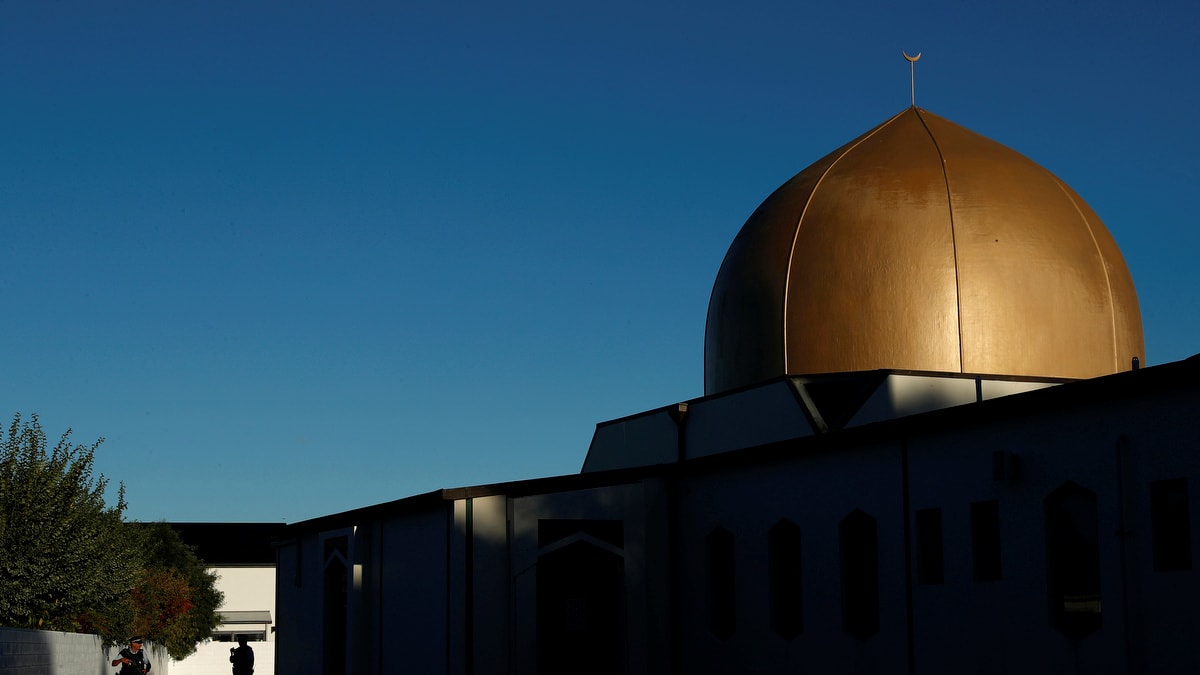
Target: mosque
927, 444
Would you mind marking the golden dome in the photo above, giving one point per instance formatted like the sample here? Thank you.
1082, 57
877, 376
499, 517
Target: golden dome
921, 245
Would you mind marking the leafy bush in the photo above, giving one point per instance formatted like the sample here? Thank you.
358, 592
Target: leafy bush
176, 600
62, 558
69, 562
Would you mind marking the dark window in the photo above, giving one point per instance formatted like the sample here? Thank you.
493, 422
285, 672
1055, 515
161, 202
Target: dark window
1004, 465
722, 618
299, 564
1073, 560
251, 636
930, 563
335, 547
1170, 525
608, 531
787, 595
985, 540
580, 598
858, 536
337, 578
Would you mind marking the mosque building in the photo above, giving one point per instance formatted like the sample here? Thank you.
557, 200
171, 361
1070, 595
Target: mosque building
927, 444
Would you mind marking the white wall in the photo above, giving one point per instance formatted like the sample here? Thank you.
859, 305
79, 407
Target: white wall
43, 652
246, 589
213, 657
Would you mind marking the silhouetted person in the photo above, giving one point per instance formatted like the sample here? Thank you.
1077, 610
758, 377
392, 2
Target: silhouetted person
242, 657
133, 660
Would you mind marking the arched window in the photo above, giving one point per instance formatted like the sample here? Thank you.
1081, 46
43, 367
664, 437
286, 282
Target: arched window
334, 605
1073, 560
858, 535
1170, 525
722, 616
787, 594
581, 624
985, 540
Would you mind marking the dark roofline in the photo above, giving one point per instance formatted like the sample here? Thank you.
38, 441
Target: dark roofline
442, 498
879, 374
220, 544
869, 378
1070, 393
1173, 376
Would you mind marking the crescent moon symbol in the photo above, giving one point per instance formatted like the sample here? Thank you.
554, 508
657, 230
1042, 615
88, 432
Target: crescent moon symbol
911, 59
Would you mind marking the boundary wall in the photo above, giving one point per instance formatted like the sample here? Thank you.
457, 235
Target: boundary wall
42, 652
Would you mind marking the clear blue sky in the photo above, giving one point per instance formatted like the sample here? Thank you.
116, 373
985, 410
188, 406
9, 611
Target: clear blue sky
296, 258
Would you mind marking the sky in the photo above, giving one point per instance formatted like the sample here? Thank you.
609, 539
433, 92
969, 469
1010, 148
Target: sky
294, 258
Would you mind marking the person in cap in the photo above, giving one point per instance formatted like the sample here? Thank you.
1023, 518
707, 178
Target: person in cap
133, 660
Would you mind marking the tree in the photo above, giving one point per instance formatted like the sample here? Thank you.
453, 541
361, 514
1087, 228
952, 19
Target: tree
60, 563
69, 562
176, 600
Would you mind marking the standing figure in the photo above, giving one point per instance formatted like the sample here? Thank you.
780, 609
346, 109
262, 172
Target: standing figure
242, 657
133, 660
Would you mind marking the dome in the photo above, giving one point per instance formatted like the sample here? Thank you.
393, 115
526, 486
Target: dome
921, 245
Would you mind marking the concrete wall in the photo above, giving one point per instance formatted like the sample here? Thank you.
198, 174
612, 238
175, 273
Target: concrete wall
42, 652
247, 589
212, 658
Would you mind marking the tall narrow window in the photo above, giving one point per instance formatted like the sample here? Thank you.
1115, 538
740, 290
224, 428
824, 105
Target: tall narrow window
1170, 525
858, 536
334, 609
787, 595
580, 597
930, 561
722, 617
985, 540
1073, 560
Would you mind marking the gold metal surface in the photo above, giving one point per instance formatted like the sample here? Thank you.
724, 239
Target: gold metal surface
921, 245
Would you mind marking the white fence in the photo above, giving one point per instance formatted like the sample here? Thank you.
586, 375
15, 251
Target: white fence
212, 658
38, 652
43, 652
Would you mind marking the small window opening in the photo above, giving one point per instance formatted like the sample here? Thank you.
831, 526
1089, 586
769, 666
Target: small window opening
722, 617
858, 536
787, 594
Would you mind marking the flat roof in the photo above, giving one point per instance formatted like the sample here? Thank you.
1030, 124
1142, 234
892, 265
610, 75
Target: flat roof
231, 543
245, 617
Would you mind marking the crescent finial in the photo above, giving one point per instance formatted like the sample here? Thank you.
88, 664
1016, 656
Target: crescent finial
912, 74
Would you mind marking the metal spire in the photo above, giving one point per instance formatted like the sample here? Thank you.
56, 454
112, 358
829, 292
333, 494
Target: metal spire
912, 75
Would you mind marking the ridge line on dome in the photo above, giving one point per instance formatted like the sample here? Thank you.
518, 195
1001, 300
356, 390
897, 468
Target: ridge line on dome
962, 357
1112, 310
787, 277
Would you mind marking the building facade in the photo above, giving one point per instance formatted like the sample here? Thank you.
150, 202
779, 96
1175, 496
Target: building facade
926, 446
